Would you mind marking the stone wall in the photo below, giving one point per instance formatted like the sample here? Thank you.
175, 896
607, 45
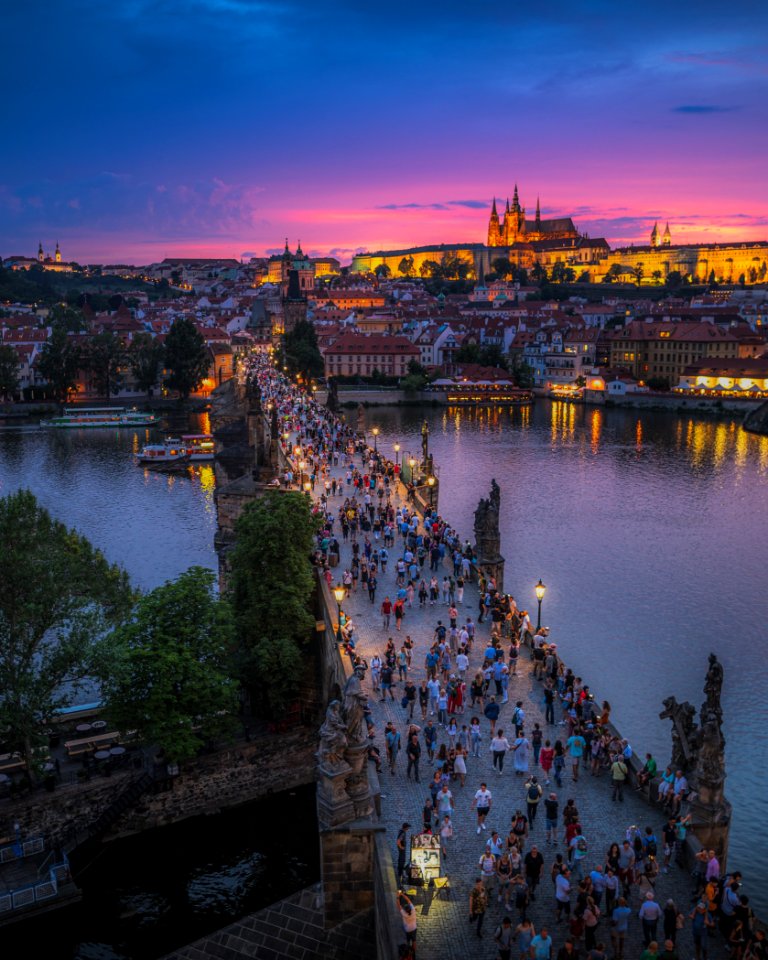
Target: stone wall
389, 926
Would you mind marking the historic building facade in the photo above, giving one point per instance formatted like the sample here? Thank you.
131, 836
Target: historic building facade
515, 228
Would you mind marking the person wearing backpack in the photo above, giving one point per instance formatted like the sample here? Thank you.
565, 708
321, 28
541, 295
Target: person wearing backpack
504, 936
533, 794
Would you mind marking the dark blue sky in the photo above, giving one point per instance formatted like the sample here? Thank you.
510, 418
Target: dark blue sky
139, 128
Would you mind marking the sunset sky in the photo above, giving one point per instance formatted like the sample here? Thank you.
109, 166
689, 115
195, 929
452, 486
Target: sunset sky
139, 129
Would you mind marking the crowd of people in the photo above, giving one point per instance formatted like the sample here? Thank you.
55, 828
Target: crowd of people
451, 691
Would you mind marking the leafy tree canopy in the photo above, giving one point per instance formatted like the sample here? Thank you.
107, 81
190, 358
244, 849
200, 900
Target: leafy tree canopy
300, 351
58, 597
270, 588
172, 679
186, 356
9, 371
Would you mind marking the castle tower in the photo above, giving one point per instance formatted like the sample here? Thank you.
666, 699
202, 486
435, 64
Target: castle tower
666, 240
494, 232
514, 222
655, 235
57, 255
40, 254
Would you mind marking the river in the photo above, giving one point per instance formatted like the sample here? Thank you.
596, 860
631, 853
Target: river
649, 530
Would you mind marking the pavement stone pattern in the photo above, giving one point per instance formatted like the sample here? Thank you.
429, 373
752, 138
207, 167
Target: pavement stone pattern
444, 932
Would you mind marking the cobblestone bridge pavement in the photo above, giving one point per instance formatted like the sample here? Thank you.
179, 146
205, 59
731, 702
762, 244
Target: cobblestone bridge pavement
444, 932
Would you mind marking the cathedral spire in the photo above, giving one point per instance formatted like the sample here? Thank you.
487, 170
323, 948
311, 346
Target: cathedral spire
493, 208
655, 235
538, 212
666, 240
515, 200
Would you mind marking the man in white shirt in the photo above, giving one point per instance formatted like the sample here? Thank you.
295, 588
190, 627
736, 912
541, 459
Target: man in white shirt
563, 893
482, 803
433, 685
462, 662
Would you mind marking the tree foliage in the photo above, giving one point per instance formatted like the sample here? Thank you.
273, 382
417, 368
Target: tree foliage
58, 597
186, 357
9, 371
105, 355
301, 353
270, 589
487, 355
145, 355
405, 267
172, 679
59, 363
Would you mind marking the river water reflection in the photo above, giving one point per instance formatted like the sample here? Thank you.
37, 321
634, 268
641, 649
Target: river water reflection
649, 530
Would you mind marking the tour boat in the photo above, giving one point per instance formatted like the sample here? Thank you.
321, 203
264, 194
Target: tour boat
190, 448
81, 417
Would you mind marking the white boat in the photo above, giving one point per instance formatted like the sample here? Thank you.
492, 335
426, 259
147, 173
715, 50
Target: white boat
190, 448
90, 417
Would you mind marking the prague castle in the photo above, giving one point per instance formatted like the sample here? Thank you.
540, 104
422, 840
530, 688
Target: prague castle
525, 243
514, 228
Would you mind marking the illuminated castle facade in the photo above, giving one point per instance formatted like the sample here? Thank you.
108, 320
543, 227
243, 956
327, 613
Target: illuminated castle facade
515, 228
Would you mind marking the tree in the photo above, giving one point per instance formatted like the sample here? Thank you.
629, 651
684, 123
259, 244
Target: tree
522, 374
105, 356
172, 678
406, 266
301, 352
59, 363
660, 384
638, 272
674, 279
145, 355
186, 356
70, 318
614, 273
382, 271
9, 372
270, 589
539, 273
58, 598
502, 267
431, 268
657, 275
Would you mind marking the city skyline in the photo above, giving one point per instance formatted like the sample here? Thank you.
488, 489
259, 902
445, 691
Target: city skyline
150, 129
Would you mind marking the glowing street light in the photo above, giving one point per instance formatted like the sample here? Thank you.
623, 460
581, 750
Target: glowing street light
375, 433
431, 485
339, 593
397, 454
540, 589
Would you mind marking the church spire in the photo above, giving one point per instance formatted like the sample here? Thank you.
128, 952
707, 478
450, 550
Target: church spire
493, 208
666, 240
515, 200
655, 235
538, 212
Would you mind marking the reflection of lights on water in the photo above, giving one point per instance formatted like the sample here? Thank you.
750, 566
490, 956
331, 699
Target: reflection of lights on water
595, 429
639, 435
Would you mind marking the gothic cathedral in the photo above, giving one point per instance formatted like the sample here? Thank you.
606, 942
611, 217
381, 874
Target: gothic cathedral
514, 228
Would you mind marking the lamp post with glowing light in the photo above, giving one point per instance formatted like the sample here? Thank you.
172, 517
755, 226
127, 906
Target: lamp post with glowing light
431, 485
397, 454
308, 489
412, 465
339, 593
375, 433
302, 465
540, 589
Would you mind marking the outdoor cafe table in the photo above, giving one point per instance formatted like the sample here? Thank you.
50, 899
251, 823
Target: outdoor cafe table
83, 728
101, 755
117, 751
99, 725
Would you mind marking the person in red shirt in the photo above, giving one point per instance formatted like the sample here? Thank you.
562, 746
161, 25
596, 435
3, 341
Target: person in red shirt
386, 612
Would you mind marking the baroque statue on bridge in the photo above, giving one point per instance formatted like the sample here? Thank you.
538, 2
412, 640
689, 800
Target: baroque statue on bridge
333, 738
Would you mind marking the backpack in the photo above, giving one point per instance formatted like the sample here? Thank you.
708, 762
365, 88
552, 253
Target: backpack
533, 793
581, 845
516, 717
650, 847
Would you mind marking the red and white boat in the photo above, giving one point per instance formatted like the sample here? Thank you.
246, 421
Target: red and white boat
189, 448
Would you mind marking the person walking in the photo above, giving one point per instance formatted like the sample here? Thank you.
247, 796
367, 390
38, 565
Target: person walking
392, 738
491, 711
504, 937
550, 811
386, 612
482, 804
650, 913
534, 867
619, 927
499, 747
413, 753
541, 946
478, 904
533, 794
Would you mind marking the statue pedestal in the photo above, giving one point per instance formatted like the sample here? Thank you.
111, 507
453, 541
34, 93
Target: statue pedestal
334, 806
357, 787
493, 567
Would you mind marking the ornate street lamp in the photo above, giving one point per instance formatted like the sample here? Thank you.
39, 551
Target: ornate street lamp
412, 465
431, 484
375, 433
397, 454
339, 593
540, 589
302, 466
308, 488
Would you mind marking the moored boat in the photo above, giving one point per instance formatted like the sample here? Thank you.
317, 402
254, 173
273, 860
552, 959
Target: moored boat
189, 448
91, 417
